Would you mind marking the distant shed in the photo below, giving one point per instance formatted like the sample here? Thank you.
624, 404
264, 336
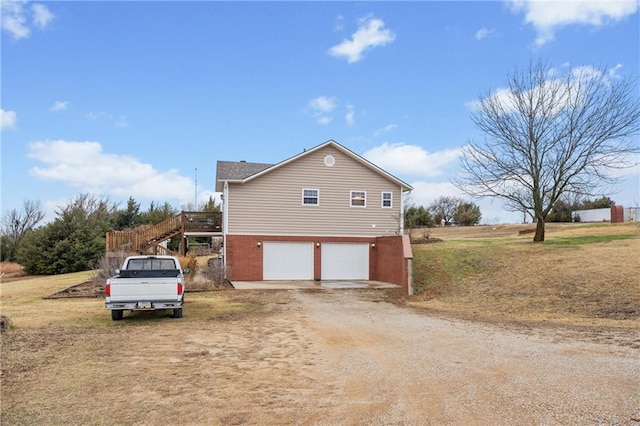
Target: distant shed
615, 214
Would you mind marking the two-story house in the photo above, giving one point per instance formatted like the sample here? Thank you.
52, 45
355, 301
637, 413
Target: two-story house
324, 214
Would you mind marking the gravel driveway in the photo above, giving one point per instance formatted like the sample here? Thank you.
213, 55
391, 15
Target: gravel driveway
390, 365
323, 357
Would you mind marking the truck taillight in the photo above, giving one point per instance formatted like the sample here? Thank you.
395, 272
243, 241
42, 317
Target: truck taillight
107, 290
180, 289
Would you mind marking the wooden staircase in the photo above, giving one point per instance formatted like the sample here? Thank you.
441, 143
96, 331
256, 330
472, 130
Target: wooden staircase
147, 239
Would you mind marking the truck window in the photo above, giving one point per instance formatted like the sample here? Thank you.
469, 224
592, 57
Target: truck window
151, 263
167, 264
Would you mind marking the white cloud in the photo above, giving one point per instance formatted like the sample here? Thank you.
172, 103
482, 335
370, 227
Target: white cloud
633, 169
371, 33
8, 119
613, 72
339, 25
59, 106
554, 87
483, 33
41, 15
502, 95
95, 115
119, 121
412, 160
84, 165
322, 104
15, 18
321, 108
350, 117
547, 16
425, 193
324, 120
385, 129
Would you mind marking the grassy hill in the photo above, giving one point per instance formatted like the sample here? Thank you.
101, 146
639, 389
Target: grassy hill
583, 274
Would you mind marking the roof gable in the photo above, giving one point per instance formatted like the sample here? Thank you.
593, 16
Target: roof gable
245, 172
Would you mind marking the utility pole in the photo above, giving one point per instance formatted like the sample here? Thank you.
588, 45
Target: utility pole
195, 206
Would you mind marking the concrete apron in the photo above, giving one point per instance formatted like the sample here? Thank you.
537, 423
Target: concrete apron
290, 285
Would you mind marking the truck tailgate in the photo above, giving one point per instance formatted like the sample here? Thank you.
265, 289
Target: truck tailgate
151, 289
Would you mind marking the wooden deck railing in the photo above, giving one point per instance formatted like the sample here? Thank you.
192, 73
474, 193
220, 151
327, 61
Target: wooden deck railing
148, 238
202, 221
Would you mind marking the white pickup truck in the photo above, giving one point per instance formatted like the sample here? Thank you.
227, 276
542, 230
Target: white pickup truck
146, 283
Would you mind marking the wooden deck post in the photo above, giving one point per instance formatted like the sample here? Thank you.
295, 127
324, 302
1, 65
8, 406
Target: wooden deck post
183, 243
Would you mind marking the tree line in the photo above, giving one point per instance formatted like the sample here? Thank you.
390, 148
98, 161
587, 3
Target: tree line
75, 239
445, 210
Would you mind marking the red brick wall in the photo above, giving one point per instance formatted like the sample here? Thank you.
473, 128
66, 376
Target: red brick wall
244, 258
617, 214
391, 265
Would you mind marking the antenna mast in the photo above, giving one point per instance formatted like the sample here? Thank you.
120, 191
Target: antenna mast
196, 192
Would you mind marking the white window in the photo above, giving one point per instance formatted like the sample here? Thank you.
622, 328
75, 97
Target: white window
358, 199
387, 200
310, 197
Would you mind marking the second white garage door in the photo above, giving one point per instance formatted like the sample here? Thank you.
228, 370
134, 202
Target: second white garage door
345, 261
287, 260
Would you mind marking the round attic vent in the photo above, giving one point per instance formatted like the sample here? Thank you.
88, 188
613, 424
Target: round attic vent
329, 161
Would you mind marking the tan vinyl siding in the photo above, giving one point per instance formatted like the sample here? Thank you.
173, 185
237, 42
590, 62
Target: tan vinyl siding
272, 203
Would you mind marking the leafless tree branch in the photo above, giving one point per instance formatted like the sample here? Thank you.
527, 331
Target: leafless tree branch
548, 135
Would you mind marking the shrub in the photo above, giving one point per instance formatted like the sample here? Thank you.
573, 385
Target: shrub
190, 261
5, 323
217, 273
107, 265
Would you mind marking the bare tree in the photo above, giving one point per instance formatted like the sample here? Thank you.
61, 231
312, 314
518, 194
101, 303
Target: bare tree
549, 134
445, 207
87, 205
16, 223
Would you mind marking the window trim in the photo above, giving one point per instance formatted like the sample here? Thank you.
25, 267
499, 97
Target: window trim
317, 197
352, 198
390, 206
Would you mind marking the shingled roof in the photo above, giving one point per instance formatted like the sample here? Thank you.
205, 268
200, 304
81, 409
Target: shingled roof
237, 170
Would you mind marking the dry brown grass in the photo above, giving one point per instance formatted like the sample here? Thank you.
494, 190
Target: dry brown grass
66, 362
11, 268
513, 231
24, 302
578, 276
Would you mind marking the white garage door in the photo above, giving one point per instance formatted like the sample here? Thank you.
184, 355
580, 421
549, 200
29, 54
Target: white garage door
287, 260
345, 261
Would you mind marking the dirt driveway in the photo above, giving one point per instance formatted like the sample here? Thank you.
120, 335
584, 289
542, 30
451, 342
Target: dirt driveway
314, 357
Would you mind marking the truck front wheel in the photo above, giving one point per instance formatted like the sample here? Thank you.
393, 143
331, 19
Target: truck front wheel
116, 314
177, 313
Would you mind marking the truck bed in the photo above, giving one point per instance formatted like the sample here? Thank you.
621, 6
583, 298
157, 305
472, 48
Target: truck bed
144, 289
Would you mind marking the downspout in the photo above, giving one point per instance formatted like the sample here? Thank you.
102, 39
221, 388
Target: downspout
406, 243
225, 224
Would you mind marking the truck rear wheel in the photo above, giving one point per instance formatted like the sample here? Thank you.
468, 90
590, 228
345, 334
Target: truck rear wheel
177, 313
116, 314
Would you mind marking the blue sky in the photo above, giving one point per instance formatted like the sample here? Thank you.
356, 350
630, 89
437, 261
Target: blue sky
130, 98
